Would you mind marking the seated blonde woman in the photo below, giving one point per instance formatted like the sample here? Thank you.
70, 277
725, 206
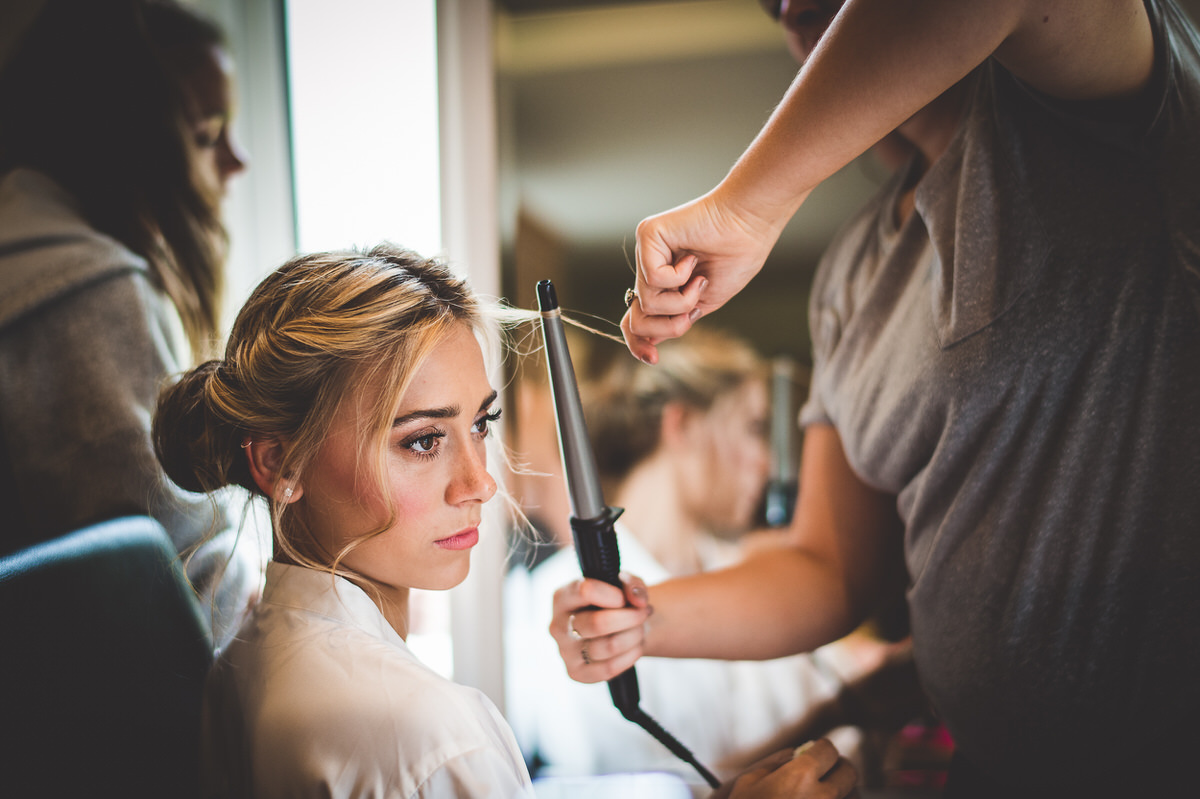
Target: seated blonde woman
354, 400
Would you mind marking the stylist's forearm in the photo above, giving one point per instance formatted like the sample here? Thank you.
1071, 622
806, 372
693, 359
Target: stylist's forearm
774, 604
879, 63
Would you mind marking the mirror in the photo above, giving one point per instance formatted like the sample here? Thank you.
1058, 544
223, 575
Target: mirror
610, 112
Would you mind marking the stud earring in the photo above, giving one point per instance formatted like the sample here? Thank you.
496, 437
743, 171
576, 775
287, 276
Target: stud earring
287, 494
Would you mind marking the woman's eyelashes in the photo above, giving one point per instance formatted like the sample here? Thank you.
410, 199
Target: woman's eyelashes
483, 425
208, 132
425, 444
428, 443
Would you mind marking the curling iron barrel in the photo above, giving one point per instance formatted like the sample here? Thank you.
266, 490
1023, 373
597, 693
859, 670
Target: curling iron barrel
591, 520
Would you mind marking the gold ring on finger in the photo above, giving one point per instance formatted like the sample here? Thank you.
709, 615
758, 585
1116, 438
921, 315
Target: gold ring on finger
571, 631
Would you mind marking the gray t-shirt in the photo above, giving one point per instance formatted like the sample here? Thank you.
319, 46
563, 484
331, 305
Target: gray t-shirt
1020, 364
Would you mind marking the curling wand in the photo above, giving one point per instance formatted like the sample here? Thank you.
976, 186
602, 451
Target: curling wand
591, 520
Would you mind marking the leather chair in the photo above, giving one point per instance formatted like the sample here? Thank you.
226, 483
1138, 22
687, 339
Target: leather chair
103, 655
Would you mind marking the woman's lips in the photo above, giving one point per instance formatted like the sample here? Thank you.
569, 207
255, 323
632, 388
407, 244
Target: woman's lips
464, 540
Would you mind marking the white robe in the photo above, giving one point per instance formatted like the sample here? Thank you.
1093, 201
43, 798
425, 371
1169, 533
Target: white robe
318, 696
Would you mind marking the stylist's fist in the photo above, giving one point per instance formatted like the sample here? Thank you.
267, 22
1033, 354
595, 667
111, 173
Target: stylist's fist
690, 261
599, 628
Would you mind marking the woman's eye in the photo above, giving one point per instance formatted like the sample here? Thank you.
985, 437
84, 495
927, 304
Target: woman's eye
483, 423
207, 133
425, 444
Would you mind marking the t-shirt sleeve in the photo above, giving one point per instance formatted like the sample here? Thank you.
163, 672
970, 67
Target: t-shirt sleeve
823, 332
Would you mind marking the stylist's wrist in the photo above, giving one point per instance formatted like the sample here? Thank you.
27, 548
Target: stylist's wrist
760, 201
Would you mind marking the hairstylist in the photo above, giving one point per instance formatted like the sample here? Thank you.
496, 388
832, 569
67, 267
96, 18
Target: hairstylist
1003, 404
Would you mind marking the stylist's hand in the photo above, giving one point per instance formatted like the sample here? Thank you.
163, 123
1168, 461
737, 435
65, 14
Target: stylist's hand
816, 772
599, 628
690, 261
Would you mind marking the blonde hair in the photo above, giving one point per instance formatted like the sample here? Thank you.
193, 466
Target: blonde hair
311, 333
624, 398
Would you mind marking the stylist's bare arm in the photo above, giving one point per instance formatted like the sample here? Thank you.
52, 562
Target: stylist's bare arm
871, 70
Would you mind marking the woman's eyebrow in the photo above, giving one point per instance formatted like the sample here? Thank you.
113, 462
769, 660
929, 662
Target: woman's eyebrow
445, 412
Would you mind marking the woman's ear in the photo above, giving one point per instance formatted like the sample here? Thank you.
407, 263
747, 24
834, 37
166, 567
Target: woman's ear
265, 458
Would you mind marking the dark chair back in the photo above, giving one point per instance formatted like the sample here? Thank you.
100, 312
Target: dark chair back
103, 655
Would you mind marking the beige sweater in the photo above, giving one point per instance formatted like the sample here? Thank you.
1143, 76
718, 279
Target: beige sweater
86, 341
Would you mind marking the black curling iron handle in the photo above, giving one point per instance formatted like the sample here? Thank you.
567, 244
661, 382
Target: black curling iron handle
596, 545
600, 559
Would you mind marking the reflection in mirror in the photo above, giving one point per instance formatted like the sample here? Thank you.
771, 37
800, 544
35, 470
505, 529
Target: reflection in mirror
610, 112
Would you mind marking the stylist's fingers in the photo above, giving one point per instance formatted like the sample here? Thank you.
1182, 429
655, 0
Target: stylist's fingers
673, 299
606, 657
822, 754
635, 590
602, 657
598, 634
586, 624
842, 779
660, 263
835, 771
665, 314
813, 771
659, 313
586, 593
644, 348
751, 775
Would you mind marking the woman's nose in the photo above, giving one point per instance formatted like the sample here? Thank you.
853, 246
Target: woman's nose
473, 482
231, 159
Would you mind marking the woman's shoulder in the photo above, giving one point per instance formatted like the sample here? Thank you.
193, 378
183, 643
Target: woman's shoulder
47, 249
350, 675
331, 693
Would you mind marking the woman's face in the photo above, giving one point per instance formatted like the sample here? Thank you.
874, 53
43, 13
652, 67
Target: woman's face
732, 457
435, 474
209, 90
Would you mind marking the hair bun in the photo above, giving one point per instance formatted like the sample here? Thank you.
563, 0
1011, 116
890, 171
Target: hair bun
197, 450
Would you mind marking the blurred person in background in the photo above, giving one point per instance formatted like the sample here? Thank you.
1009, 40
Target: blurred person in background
115, 153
